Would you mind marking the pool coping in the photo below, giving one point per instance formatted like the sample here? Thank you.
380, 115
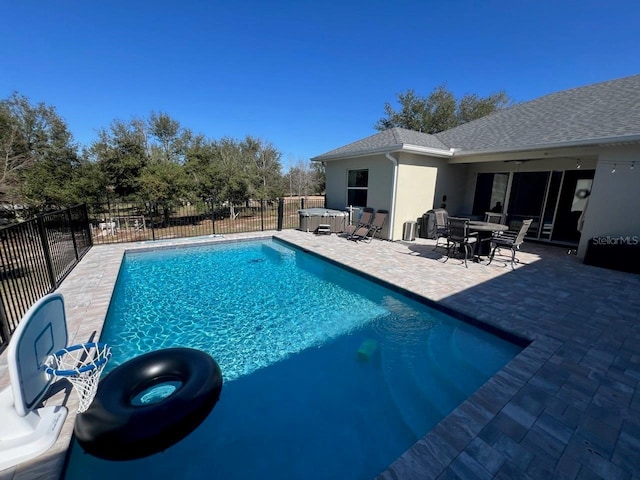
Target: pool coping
503, 333
432, 454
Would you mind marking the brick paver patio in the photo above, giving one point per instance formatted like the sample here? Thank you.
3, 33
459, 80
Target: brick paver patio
567, 407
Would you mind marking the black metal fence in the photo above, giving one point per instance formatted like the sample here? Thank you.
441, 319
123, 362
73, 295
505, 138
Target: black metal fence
35, 256
131, 222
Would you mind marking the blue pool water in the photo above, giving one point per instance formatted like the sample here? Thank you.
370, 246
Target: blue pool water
327, 375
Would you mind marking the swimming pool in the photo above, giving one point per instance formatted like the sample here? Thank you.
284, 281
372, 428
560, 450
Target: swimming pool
327, 375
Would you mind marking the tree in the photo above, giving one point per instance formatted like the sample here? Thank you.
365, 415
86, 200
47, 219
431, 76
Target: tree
472, 107
219, 171
39, 156
299, 179
89, 182
126, 150
198, 168
171, 137
233, 171
14, 157
440, 110
305, 179
121, 152
319, 177
264, 167
155, 160
162, 183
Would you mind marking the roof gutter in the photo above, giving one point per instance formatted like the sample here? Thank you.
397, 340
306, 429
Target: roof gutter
392, 212
434, 152
592, 142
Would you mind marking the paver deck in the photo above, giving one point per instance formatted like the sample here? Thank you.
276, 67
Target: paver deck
567, 407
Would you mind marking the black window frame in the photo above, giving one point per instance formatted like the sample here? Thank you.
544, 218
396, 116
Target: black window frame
357, 187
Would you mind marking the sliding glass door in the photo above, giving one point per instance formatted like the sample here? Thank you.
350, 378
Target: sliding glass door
526, 199
576, 188
553, 199
550, 203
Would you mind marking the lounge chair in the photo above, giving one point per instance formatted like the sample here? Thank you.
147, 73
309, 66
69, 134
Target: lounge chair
364, 221
366, 233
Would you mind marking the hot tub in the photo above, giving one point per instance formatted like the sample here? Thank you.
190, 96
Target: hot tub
312, 218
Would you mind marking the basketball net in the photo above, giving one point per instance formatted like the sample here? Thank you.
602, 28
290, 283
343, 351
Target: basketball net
82, 366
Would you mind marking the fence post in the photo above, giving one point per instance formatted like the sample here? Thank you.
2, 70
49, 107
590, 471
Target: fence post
213, 218
262, 214
86, 226
280, 213
73, 234
47, 251
151, 213
5, 332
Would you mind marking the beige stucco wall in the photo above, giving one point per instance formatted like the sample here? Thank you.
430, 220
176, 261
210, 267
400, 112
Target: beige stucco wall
380, 183
614, 204
452, 184
380, 173
415, 192
421, 183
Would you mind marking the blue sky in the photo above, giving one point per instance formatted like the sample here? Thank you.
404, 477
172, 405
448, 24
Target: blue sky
307, 76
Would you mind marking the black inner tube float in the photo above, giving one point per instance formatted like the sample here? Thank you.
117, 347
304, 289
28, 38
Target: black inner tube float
149, 403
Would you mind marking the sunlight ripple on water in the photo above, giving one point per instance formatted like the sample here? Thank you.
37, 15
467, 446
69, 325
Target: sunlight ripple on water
272, 309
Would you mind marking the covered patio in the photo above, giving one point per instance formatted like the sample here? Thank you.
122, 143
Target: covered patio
567, 407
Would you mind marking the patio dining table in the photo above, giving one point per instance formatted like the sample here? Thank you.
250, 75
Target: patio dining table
485, 230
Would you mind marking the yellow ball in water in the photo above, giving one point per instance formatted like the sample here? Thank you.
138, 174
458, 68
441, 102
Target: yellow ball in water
366, 350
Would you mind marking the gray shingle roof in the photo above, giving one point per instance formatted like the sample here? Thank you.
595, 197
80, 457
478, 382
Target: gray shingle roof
607, 111
581, 115
387, 140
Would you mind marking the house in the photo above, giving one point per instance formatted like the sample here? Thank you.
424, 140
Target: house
546, 159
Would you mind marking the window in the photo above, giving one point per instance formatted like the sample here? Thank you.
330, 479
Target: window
357, 186
491, 190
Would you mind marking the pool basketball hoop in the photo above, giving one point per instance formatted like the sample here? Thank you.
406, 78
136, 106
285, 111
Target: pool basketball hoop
81, 365
27, 428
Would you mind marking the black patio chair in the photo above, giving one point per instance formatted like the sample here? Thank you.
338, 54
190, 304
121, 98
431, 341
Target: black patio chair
492, 217
511, 242
442, 227
459, 238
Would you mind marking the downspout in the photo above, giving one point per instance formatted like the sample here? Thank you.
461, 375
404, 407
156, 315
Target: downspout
392, 212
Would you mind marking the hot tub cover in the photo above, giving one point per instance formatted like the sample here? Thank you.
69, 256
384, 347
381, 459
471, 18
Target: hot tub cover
321, 212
